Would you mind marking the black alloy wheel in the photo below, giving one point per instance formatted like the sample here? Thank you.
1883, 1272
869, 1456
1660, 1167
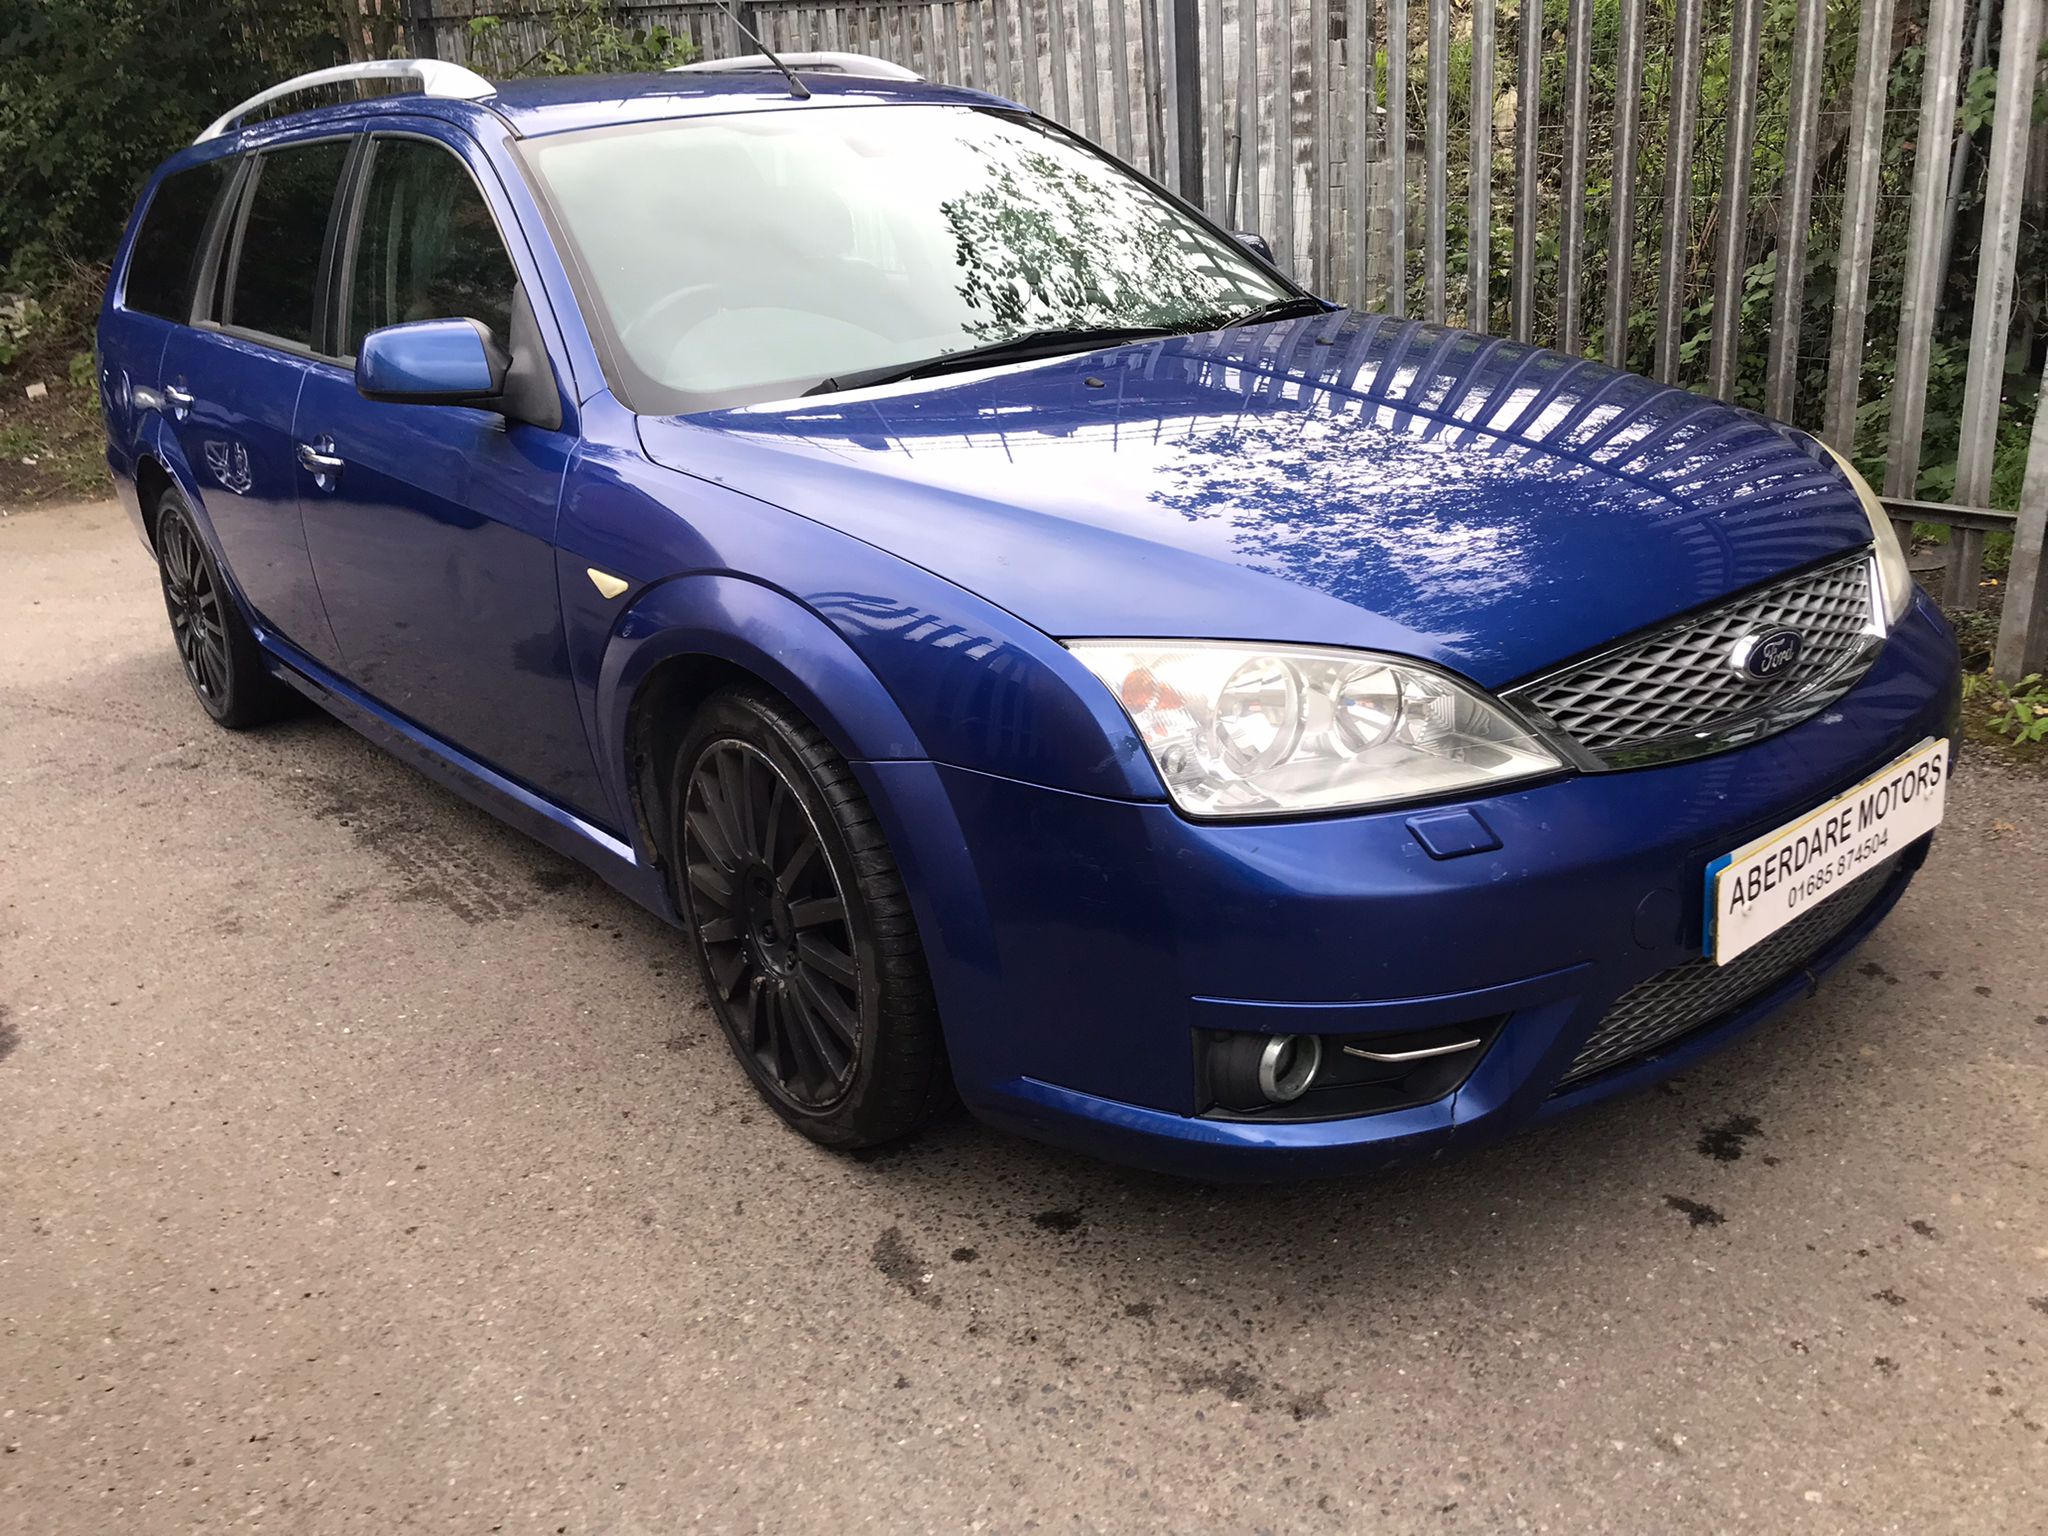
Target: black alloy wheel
773, 923
802, 927
222, 661
197, 624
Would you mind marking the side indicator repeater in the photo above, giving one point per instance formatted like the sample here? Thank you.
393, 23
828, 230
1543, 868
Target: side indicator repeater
606, 583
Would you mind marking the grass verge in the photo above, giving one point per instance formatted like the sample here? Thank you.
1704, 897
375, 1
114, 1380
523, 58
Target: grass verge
52, 448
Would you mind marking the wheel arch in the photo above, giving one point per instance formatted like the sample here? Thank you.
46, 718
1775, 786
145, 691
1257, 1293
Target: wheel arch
152, 479
657, 720
683, 640
160, 465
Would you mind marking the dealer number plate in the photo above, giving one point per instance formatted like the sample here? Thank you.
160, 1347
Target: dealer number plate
1759, 888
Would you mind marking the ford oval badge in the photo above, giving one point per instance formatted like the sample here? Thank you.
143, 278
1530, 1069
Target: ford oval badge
1768, 653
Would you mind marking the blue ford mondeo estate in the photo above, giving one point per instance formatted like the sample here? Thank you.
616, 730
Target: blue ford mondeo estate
1033, 649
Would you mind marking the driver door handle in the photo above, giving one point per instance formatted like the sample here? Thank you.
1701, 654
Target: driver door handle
179, 399
318, 462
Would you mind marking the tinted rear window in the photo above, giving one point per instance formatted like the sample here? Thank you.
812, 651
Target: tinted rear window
168, 247
278, 270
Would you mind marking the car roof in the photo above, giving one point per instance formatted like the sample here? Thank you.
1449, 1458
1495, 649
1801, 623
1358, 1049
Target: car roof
561, 104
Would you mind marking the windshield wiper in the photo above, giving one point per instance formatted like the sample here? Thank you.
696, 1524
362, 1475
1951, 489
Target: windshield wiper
1051, 342
1012, 349
1293, 307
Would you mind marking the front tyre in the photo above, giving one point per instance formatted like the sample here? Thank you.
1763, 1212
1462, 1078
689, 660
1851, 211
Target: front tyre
222, 661
799, 918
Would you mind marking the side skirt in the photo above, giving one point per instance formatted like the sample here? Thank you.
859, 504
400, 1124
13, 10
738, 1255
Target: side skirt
512, 803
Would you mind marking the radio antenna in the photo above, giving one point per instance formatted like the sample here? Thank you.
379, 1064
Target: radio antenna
797, 88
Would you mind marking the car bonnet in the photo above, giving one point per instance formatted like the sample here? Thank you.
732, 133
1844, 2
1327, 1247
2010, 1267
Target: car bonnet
1489, 506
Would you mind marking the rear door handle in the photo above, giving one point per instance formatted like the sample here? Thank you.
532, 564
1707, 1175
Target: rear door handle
318, 462
180, 400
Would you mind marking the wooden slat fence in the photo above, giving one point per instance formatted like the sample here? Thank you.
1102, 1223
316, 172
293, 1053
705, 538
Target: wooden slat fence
1378, 181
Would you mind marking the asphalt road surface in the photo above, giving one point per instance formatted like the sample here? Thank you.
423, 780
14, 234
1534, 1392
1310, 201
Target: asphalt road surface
365, 1167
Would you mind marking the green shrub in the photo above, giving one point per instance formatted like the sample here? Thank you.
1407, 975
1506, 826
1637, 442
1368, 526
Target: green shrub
95, 93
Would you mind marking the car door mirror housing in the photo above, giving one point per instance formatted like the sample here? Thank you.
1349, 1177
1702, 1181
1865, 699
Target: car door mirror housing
433, 362
459, 362
1254, 242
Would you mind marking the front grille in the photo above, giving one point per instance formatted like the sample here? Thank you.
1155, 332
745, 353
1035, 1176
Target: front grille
1680, 1000
1675, 692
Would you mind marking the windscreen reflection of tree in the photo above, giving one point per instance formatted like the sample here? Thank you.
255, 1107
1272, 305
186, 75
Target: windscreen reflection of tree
1042, 244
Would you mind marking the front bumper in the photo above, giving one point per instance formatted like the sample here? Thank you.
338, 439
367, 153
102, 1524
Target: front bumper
1077, 943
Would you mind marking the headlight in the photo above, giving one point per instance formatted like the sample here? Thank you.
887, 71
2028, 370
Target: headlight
1894, 576
1238, 730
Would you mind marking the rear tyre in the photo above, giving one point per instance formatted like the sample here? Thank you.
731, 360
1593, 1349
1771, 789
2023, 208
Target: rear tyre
222, 661
798, 916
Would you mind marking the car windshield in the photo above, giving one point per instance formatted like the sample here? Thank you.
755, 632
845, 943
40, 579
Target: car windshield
751, 257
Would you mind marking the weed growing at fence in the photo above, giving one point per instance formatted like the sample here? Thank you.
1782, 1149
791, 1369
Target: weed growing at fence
2018, 713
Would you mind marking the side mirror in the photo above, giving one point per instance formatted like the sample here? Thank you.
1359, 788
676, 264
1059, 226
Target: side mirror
433, 362
1255, 243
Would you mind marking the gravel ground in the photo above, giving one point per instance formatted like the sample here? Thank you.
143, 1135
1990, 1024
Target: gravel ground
363, 1167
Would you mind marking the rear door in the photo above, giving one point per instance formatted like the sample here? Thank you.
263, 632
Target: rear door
433, 538
231, 382
152, 299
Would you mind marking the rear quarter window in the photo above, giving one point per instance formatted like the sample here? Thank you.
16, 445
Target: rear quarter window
164, 262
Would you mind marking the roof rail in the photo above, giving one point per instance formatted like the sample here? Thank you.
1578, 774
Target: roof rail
864, 65
435, 77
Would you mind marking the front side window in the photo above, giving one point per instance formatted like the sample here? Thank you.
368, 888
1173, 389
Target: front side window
277, 272
750, 257
427, 248
164, 262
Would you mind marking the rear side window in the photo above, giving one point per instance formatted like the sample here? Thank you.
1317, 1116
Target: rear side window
164, 263
277, 268
427, 248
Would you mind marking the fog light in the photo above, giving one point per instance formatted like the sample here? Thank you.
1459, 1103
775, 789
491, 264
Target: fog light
1288, 1065
1251, 1072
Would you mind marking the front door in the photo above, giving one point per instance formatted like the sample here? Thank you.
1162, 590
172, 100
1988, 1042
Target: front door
433, 536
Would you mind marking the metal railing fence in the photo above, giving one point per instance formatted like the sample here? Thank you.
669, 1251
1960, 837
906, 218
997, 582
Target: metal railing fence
1553, 175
